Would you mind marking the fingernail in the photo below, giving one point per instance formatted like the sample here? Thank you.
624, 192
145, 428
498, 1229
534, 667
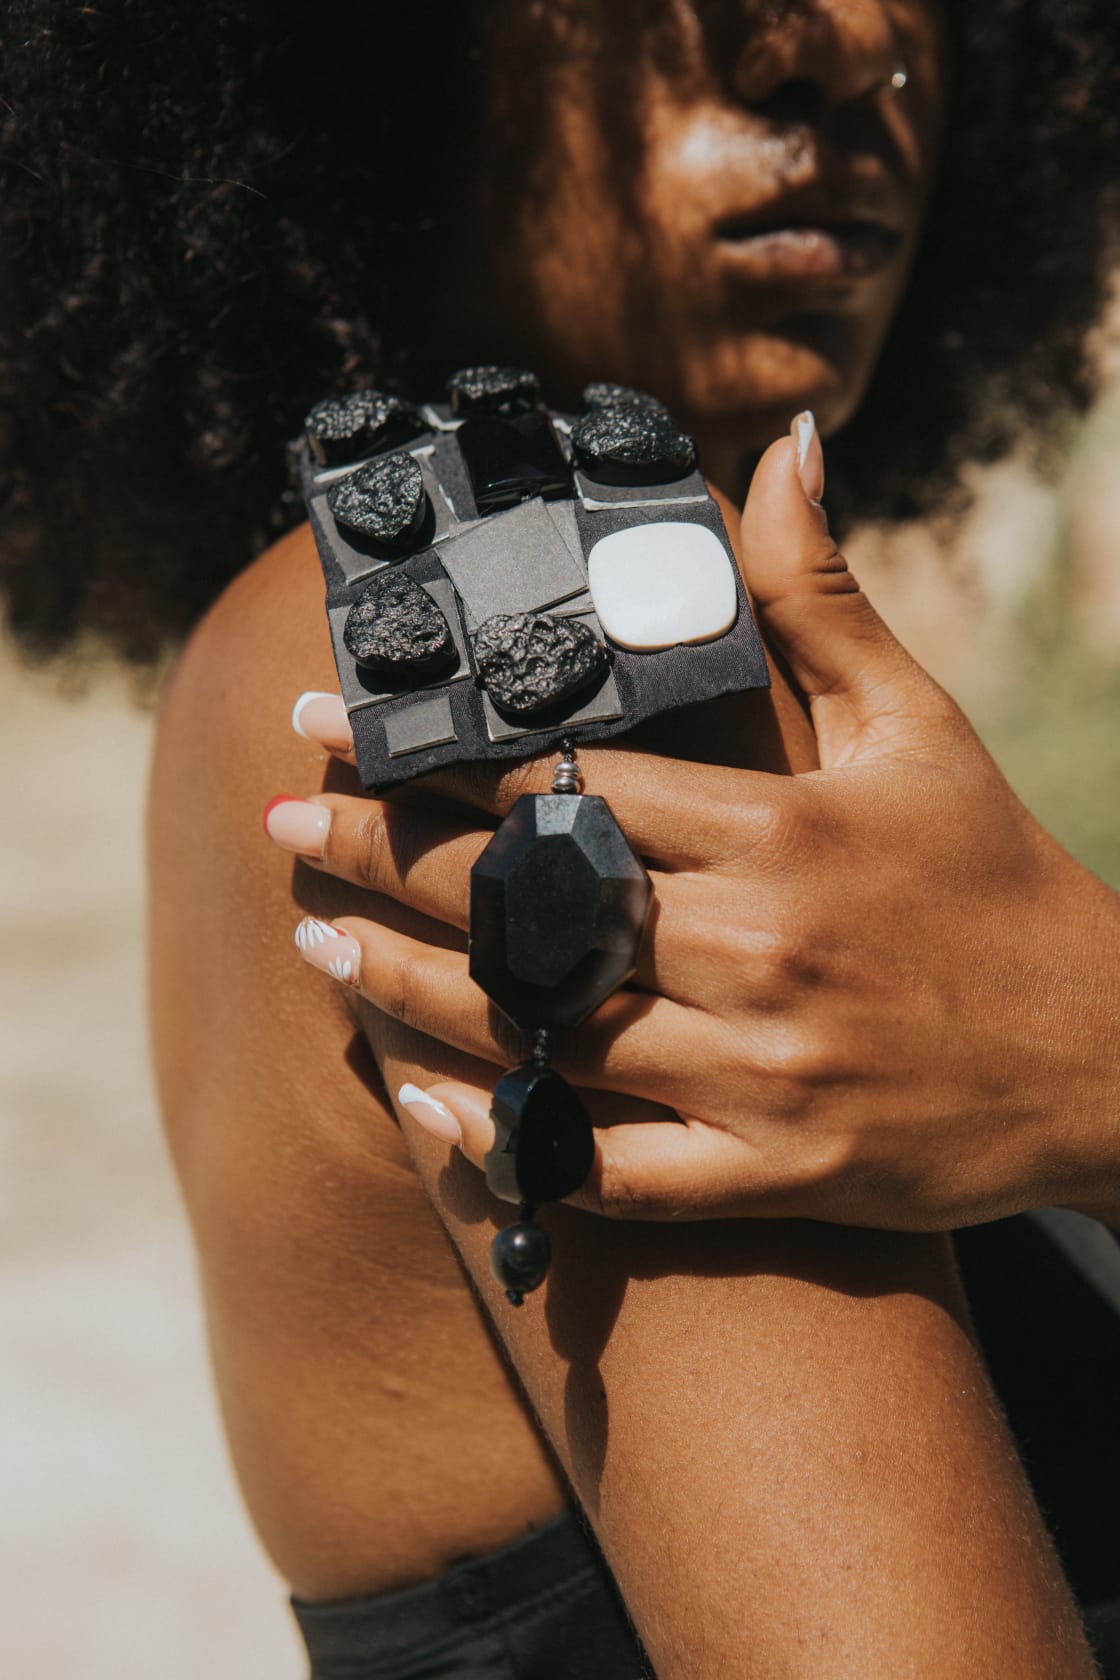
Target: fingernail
434, 1116
322, 718
328, 948
297, 825
810, 455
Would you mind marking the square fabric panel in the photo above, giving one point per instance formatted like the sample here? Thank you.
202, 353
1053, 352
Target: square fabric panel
514, 562
426, 723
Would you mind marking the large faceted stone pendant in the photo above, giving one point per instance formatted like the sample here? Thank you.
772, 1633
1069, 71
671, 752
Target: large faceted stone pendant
558, 907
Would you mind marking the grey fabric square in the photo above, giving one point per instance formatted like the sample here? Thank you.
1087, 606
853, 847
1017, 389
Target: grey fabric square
353, 681
358, 566
514, 562
426, 723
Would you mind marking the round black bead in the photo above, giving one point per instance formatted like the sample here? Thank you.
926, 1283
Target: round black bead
629, 444
519, 1259
493, 391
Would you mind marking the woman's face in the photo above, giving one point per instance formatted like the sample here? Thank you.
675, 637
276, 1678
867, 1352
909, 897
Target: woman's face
716, 201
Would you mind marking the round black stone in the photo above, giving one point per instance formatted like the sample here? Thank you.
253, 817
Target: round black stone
603, 393
630, 444
346, 428
397, 630
493, 391
533, 662
383, 500
519, 1259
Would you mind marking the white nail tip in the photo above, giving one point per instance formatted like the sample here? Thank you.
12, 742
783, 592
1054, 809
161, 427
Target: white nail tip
411, 1096
304, 700
806, 432
663, 584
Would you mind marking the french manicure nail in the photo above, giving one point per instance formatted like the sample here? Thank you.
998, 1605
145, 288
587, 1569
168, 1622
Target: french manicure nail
810, 455
297, 825
328, 948
322, 718
435, 1117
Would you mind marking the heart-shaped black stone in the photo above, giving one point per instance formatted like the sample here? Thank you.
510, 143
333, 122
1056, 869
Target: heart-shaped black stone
384, 500
397, 631
533, 662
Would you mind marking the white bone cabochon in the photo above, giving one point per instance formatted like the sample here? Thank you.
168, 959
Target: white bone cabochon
657, 585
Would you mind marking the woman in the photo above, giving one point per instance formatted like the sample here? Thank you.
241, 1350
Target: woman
562, 179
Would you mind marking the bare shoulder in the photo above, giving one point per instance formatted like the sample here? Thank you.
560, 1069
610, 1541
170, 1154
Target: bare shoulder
326, 1273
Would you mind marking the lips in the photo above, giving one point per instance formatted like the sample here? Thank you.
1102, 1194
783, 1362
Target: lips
813, 233
844, 250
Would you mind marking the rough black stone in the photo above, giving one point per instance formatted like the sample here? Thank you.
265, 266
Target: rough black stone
603, 393
492, 391
346, 428
558, 905
397, 630
509, 460
519, 1259
531, 662
384, 500
543, 1146
629, 444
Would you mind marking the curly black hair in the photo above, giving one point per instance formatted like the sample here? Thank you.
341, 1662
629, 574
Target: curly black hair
207, 217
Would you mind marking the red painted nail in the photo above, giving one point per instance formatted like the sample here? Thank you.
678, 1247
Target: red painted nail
281, 799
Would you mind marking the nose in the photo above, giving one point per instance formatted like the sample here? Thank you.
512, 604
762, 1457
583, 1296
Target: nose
826, 52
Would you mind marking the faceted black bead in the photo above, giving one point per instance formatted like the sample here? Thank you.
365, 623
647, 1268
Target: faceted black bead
602, 393
558, 905
533, 662
543, 1148
493, 391
519, 1259
631, 444
384, 500
510, 460
396, 630
346, 428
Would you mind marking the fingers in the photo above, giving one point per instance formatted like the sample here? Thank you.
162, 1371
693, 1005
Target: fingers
323, 718
649, 1163
869, 698
420, 858
634, 1042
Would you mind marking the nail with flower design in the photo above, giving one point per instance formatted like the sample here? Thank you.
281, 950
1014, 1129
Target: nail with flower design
329, 948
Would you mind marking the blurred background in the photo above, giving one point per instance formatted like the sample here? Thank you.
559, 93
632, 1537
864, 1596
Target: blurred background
123, 1545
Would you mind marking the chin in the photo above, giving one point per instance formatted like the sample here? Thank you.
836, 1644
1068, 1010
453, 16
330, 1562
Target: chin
744, 391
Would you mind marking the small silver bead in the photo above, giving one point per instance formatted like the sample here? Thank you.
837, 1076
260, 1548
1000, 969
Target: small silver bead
565, 777
899, 78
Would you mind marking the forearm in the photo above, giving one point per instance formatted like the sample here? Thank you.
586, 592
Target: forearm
785, 1441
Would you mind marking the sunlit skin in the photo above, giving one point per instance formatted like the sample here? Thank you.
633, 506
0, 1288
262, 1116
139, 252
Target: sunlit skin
774, 1427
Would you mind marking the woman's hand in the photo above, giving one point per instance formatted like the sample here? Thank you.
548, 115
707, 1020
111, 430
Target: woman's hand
877, 993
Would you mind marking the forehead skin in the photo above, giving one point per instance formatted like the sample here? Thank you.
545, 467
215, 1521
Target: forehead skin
615, 135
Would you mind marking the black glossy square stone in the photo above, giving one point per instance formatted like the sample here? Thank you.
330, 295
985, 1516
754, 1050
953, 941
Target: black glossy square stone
558, 907
510, 460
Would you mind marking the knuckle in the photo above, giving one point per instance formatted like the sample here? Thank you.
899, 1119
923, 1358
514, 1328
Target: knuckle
371, 846
613, 1193
402, 989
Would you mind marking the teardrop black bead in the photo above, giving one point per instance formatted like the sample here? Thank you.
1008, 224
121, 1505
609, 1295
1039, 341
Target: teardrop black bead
519, 1259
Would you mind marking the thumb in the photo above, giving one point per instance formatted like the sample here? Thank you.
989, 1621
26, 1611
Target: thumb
868, 697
